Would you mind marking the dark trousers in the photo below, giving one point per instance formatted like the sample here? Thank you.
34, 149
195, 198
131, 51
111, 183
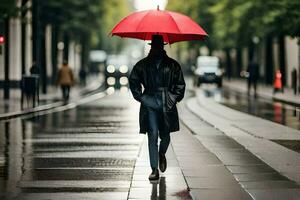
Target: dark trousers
156, 123
65, 92
254, 83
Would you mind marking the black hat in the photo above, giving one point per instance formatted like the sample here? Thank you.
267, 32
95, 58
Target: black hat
157, 40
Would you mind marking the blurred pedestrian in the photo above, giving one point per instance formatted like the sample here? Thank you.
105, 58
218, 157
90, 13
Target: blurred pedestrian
164, 86
34, 70
65, 79
253, 75
82, 76
277, 86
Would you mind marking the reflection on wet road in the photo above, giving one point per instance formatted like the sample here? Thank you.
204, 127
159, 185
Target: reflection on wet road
271, 110
84, 153
92, 151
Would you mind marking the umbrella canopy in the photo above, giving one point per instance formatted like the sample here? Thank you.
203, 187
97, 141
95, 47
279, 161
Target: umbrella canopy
174, 27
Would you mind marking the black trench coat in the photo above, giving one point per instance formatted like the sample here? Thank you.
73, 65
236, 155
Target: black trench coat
173, 89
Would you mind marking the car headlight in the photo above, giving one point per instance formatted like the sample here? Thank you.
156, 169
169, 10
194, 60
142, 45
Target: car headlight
219, 72
110, 69
123, 69
123, 89
123, 80
199, 72
110, 90
111, 80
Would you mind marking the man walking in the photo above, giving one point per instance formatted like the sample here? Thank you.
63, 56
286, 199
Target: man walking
164, 86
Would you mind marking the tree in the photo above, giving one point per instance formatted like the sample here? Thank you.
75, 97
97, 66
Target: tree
7, 8
199, 12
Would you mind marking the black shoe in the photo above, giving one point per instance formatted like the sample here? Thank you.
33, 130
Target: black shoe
154, 175
162, 162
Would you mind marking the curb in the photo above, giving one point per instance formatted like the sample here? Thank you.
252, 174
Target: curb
85, 92
11, 115
264, 96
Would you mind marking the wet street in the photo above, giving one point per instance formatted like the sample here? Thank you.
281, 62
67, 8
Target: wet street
92, 150
84, 153
278, 112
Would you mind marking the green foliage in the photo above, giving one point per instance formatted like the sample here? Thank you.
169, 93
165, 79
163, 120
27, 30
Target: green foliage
232, 23
199, 12
7, 8
91, 19
114, 11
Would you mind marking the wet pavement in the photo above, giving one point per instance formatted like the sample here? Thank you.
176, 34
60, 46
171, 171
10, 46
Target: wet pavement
84, 153
94, 151
234, 172
171, 185
279, 112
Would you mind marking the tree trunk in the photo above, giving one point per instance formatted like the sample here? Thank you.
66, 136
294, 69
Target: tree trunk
6, 60
66, 47
228, 63
83, 53
298, 64
54, 51
282, 59
86, 47
23, 37
43, 60
251, 51
239, 61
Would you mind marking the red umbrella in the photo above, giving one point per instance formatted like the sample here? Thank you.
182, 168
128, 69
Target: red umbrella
174, 27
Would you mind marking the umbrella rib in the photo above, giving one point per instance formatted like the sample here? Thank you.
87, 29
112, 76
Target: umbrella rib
138, 26
174, 22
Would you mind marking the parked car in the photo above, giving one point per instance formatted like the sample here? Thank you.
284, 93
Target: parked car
117, 71
208, 71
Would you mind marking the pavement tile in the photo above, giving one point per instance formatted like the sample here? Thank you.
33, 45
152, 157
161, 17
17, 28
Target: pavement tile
237, 158
200, 159
212, 182
174, 184
259, 177
157, 192
275, 194
220, 194
281, 184
207, 171
251, 169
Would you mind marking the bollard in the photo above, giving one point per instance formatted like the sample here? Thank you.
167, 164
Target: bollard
30, 90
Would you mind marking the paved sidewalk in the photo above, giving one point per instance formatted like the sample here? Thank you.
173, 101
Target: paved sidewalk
12, 106
244, 146
171, 185
206, 175
219, 161
264, 91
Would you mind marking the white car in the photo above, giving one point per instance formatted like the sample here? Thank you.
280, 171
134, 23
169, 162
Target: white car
208, 70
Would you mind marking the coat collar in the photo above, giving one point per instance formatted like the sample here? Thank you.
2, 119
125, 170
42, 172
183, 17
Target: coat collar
152, 56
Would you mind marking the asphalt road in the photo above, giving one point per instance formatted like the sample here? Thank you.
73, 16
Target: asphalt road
87, 152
